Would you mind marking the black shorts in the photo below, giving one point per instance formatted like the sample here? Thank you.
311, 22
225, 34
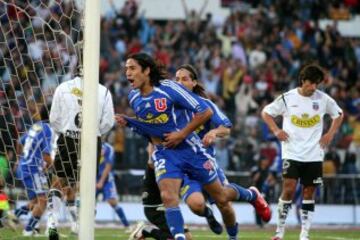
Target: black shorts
68, 156
309, 173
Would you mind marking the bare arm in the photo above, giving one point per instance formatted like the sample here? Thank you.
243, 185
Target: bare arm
47, 159
219, 132
104, 175
185, 8
203, 8
279, 133
328, 137
174, 138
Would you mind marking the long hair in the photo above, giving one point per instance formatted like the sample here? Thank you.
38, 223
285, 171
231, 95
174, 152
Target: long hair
157, 71
311, 72
198, 89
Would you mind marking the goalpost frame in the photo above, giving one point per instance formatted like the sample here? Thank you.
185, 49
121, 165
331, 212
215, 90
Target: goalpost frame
91, 55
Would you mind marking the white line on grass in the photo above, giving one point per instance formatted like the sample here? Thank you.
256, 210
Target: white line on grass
340, 238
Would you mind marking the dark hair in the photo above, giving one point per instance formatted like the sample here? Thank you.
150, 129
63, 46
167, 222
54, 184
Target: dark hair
311, 72
157, 71
198, 89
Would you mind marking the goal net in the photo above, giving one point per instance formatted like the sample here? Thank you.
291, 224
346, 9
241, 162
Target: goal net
40, 47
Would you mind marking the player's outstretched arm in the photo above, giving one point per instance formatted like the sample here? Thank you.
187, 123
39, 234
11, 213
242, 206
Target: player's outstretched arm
219, 132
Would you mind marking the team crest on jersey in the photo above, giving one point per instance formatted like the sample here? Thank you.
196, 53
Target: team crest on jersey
315, 106
160, 104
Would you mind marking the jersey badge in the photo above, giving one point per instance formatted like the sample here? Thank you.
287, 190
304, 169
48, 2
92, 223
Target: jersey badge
160, 104
315, 106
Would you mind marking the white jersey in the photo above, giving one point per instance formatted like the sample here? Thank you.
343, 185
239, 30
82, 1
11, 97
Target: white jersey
65, 114
303, 122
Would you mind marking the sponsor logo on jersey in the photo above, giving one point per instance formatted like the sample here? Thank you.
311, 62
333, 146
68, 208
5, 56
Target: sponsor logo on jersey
162, 118
305, 121
160, 104
315, 106
77, 92
199, 129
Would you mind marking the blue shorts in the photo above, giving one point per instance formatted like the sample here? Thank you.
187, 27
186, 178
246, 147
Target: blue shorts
190, 186
184, 159
109, 190
35, 184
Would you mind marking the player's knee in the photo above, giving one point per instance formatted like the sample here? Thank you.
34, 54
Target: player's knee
221, 200
169, 198
197, 206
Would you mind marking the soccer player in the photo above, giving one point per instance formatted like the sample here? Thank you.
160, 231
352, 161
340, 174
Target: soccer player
217, 127
106, 183
303, 143
37, 150
153, 208
160, 106
65, 119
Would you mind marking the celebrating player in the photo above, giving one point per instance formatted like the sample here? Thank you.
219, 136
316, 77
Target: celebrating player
160, 106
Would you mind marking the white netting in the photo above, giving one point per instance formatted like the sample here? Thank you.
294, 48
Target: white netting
40, 42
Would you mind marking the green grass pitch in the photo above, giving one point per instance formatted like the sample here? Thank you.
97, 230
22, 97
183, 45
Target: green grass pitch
246, 233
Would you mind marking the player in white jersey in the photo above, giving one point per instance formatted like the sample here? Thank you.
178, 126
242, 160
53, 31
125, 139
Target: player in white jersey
303, 143
65, 119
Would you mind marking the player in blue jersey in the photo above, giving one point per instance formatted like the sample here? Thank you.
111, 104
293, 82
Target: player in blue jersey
105, 182
217, 127
37, 150
160, 107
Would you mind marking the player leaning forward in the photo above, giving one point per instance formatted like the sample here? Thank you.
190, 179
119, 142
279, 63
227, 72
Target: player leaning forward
303, 144
65, 119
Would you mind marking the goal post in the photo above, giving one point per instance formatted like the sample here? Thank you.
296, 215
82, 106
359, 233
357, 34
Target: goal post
91, 55
39, 50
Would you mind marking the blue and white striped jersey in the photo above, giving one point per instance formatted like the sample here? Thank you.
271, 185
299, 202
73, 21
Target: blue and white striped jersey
107, 157
38, 140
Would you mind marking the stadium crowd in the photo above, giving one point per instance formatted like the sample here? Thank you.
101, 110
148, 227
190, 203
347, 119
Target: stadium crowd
244, 63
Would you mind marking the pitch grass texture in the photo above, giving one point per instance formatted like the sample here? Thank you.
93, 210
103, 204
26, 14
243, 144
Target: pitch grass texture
245, 234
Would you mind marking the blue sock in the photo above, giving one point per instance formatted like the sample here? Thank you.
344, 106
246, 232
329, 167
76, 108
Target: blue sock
175, 222
243, 194
119, 211
32, 223
21, 211
232, 231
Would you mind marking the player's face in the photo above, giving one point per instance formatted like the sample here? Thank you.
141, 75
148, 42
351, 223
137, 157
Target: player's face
183, 77
308, 88
136, 76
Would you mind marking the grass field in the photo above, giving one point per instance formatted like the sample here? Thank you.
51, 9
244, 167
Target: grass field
245, 234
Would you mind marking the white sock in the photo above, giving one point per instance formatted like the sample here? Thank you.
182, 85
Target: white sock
54, 206
283, 210
306, 219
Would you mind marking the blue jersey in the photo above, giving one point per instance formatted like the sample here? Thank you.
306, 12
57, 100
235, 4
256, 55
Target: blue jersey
163, 110
39, 140
217, 119
107, 157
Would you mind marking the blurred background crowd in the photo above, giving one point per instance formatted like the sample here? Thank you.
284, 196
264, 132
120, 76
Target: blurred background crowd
244, 62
